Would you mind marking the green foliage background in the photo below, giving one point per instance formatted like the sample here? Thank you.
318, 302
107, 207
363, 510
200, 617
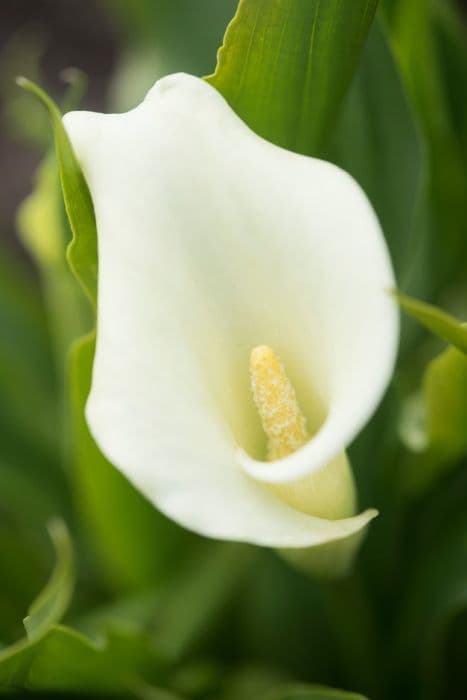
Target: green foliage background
136, 607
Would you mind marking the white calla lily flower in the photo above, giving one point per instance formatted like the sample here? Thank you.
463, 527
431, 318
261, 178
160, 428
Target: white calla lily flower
213, 243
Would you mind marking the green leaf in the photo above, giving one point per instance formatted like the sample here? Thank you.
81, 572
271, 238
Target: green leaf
163, 37
284, 66
63, 660
435, 421
309, 692
135, 643
451, 34
43, 229
435, 592
435, 320
26, 365
377, 141
32, 482
52, 603
445, 391
54, 658
251, 682
437, 427
421, 64
198, 597
136, 545
82, 251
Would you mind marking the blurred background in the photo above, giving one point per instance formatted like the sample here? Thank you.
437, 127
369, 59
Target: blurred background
277, 624
121, 46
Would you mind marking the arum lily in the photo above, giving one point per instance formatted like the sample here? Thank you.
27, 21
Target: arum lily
245, 332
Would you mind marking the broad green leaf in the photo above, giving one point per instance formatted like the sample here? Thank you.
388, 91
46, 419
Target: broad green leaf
435, 320
309, 692
377, 141
82, 251
284, 66
136, 545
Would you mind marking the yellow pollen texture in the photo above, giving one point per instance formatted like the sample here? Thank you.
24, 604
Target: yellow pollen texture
274, 396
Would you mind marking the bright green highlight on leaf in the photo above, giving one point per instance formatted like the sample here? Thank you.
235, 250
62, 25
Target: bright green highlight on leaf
284, 66
445, 390
44, 231
82, 251
435, 320
53, 601
39, 221
438, 418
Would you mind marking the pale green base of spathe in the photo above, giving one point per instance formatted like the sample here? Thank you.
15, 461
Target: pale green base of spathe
327, 561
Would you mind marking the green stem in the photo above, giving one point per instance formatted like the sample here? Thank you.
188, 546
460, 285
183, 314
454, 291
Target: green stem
352, 623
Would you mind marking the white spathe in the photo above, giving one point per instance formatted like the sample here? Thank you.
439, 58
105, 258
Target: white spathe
213, 241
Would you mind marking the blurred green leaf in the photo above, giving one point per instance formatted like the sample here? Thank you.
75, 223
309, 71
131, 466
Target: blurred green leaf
32, 485
198, 597
445, 390
442, 423
284, 67
163, 37
63, 660
437, 321
451, 41
309, 692
421, 64
136, 544
26, 366
82, 251
251, 682
133, 655
52, 603
435, 593
377, 141
143, 691
174, 28
43, 229
54, 658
